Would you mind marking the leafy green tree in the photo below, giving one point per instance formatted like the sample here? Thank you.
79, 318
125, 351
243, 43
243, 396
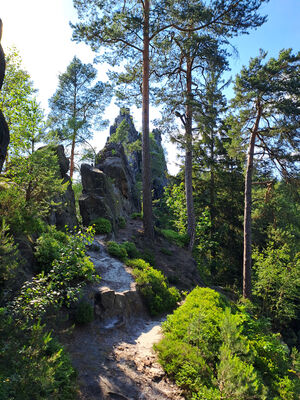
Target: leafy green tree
198, 32
277, 279
267, 117
276, 206
28, 192
20, 108
76, 105
127, 28
132, 30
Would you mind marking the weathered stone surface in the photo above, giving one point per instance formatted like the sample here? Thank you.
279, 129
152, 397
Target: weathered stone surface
93, 180
110, 189
4, 131
113, 161
65, 213
134, 158
4, 139
98, 197
121, 306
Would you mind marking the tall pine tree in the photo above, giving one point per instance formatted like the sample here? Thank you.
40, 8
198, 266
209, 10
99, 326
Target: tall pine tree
267, 104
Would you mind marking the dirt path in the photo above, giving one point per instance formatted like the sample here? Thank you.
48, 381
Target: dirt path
113, 355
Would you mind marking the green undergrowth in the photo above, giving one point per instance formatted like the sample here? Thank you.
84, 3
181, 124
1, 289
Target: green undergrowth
65, 269
153, 286
214, 350
179, 239
33, 365
122, 250
102, 225
136, 215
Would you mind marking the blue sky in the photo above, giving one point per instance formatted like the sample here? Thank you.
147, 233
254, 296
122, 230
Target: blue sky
40, 30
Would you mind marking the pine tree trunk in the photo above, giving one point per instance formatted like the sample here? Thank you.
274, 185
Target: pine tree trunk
189, 159
147, 186
247, 259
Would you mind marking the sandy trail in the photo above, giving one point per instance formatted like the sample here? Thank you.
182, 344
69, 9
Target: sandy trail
115, 360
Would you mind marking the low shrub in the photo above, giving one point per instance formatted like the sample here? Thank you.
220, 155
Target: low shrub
102, 225
9, 256
131, 249
214, 350
153, 286
33, 365
121, 222
175, 237
136, 215
49, 247
84, 313
117, 250
61, 285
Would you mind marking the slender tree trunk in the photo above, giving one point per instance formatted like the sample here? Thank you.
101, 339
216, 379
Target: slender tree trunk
72, 156
247, 259
189, 158
212, 202
147, 185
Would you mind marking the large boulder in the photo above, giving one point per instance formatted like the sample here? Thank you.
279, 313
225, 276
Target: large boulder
109, 188
98, 198
113, 161
65, 213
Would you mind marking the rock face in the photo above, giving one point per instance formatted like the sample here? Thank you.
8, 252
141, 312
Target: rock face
108, 189
4, 132
111, 189
97, 199
115, 299
135, 157
65, 214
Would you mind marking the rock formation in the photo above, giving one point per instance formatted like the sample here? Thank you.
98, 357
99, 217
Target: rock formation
111, 189
159, 165
65, 214
4, 132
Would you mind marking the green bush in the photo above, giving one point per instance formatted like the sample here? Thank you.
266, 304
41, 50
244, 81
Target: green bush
131, 249
136, 215
121, 222
117, 250
9, 255
61, 285
49, 247
217, 351
84, 313
102, 225
175, 237
153, 287
33, 365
